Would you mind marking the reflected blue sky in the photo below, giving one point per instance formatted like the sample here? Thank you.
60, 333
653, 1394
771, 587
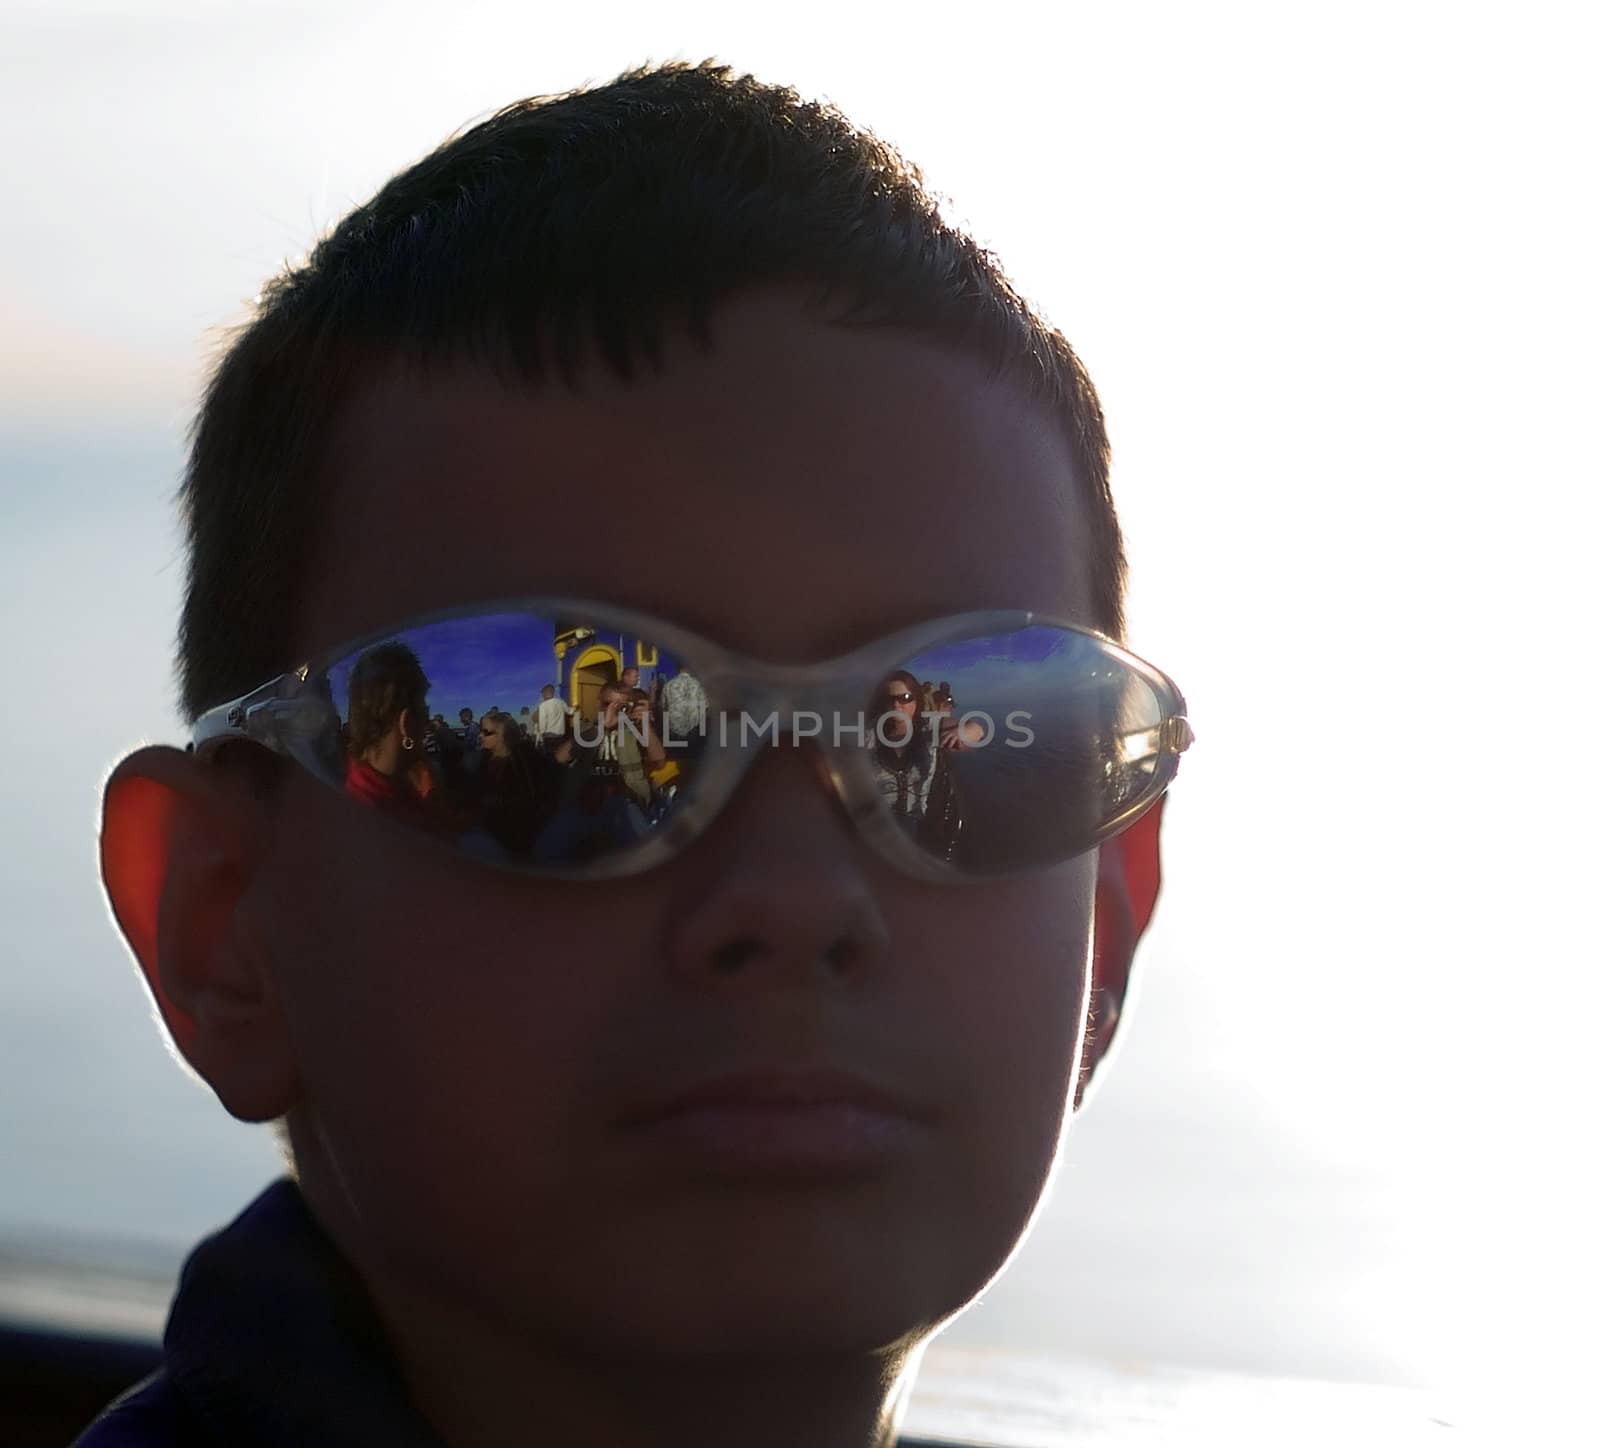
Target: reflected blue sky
495, 660
477, 663
1016, 646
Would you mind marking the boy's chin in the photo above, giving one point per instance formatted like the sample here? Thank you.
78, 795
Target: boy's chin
766, 1295
771, 1319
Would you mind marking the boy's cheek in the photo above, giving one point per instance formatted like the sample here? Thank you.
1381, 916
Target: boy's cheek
1012, 991
433, 1032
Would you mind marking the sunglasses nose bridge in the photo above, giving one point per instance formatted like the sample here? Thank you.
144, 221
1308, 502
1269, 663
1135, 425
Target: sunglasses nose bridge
795, 780
776, 701
768, 707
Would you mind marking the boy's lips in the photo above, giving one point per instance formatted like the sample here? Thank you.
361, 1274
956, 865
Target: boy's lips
777, 1088
788, 1123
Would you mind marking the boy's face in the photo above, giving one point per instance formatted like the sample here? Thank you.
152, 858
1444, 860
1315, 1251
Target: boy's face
460, 1131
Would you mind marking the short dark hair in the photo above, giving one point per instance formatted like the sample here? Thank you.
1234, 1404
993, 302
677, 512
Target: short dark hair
386, 681
561, 227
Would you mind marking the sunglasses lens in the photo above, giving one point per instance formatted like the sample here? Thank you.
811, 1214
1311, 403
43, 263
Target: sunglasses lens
450, 726
1028, 747
567, 746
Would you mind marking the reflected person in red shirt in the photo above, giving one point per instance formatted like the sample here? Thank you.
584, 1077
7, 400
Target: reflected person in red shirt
384, 766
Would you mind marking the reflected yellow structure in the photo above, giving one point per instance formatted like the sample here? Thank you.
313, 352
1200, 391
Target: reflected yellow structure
586, 661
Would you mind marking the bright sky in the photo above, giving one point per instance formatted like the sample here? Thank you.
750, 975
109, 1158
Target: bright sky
1333, 272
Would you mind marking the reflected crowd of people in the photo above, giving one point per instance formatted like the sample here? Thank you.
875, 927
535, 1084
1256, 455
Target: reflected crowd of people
552, 785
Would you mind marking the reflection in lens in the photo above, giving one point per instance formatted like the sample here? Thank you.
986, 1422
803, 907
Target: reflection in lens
525, 739
387, 698
910, 764
1039, 737
556, 743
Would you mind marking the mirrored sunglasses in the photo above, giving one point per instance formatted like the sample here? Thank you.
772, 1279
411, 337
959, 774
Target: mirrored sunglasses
973, 747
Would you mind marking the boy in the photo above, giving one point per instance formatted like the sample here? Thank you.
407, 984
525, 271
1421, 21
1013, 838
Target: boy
720, 1181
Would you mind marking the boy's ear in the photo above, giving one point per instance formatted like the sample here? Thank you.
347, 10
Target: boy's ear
181, 841
1124, 899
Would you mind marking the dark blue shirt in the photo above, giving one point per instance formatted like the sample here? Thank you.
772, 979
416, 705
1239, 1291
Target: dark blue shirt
272, 1340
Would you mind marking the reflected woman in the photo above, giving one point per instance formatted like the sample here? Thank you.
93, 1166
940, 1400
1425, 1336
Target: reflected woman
904, 758
518, 795
385, 766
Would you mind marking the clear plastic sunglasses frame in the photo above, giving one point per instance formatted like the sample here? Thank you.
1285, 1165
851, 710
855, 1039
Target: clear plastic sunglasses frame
293, 716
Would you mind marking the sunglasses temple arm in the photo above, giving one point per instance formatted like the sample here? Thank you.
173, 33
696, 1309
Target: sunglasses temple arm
283, 717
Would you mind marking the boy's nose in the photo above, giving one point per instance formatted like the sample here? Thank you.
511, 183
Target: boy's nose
776, 885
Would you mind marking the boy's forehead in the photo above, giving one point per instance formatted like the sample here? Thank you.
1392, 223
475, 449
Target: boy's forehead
796, 490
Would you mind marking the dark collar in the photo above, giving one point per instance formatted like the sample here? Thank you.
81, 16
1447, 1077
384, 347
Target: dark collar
272, 1339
